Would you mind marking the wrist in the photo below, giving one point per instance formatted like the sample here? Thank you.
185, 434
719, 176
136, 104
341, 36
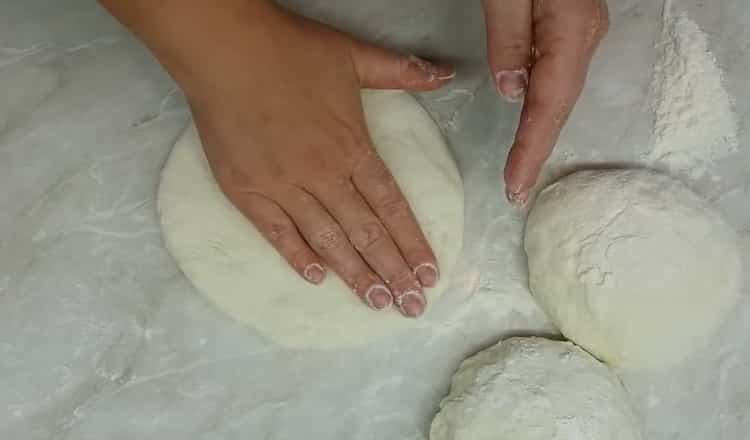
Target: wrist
189, 37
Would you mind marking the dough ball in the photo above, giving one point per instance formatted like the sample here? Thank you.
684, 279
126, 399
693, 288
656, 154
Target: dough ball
227, 260
631, 265
535, 389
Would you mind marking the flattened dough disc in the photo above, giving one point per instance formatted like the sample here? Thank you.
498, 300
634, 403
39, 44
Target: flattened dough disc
227, 260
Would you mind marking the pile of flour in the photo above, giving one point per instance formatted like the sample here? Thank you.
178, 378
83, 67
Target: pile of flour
695, 124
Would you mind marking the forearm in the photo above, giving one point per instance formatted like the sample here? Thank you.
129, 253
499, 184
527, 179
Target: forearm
179, 32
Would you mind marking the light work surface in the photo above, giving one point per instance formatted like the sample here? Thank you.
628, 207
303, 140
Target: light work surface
101, 337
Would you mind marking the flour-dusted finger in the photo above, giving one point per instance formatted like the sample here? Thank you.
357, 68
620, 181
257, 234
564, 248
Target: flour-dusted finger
370, 238
509, 41
377, 185
380, 68
565, 36
326, 237
276, 226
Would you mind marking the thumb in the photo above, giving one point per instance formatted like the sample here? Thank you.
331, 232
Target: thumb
379, 68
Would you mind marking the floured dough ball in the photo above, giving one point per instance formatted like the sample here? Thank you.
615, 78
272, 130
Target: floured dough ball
535, 389
631, 265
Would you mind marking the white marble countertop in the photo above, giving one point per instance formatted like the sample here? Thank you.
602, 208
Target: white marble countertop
101, 337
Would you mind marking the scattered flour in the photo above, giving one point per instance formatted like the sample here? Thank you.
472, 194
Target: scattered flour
694, 121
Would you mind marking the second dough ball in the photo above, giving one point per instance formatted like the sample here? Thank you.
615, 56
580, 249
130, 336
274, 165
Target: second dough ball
631, 265
535, 389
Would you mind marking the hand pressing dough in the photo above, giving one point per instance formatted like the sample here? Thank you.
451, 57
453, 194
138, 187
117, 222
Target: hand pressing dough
227, 260
631, 265
535, 389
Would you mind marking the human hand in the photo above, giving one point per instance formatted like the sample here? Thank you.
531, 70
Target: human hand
540, 49
276, 99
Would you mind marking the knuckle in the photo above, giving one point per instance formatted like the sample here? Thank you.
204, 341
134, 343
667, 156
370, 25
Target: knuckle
315, 159
371, 166
382, 174
599, 23
367, 236
604, 22
231, 180
403, 281
352, 136
562, 113
414, 70
327, 240
277, 230
356, 139
603, 28
557, 45
393, 206
599, 28
336, 183
515, 46
402, 277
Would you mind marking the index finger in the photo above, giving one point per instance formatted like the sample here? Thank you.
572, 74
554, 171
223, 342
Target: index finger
566, 33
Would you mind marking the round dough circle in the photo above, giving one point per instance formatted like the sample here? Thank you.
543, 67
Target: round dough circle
225, 257
631, 265
535, 389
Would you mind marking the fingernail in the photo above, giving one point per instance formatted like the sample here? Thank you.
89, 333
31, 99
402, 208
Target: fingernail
512, 84
445, 76
378, 297
427, 274
411, 303
314, 273
432, 70
517, 196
